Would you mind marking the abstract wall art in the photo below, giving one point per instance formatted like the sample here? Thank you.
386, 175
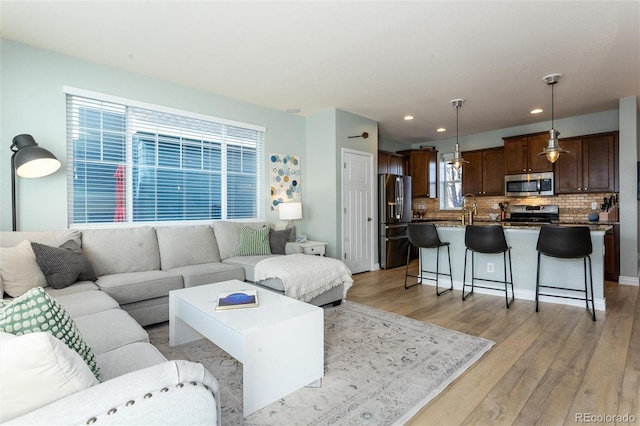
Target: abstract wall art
284, 179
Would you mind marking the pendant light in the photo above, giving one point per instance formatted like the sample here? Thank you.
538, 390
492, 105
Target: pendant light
457, 161
553, 149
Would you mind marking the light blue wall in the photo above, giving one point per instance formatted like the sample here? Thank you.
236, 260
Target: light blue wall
386, 144
327, 134
319, 200
629, 204
33, 102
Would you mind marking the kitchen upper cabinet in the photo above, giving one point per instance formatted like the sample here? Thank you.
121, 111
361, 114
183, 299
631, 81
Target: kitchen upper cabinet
422, 165
484, 175
392, 163
591, 165
521, 154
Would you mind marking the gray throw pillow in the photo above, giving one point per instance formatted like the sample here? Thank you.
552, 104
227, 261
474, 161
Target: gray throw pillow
64, 265
278, 240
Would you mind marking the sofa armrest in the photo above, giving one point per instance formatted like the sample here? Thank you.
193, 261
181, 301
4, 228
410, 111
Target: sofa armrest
174, 392
293, 248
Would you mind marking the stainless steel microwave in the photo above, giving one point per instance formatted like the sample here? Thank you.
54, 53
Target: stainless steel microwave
538, 184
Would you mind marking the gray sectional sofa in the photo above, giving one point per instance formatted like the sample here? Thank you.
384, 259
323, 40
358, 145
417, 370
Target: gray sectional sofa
136, 268
139, 266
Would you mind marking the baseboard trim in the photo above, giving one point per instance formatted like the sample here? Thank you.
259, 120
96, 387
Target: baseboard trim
628, 281
600, 304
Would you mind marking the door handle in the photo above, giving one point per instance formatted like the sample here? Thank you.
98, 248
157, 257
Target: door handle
369, 219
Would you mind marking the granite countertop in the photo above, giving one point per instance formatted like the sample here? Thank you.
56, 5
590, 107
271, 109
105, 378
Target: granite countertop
596, 226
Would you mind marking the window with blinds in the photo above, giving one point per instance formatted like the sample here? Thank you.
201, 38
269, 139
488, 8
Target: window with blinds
132, 163
451, 184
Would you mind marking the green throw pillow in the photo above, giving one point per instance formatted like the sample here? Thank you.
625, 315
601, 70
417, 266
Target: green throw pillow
35, 312
254, 242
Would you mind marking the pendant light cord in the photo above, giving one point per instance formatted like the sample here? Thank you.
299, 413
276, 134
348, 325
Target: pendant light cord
552, 104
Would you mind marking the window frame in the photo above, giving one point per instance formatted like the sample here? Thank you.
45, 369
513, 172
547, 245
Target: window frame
228, 149
444, 181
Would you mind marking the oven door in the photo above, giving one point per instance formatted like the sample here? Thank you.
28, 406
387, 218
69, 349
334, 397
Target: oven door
527, 185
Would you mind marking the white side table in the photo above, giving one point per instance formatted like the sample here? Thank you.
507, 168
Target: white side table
313, 247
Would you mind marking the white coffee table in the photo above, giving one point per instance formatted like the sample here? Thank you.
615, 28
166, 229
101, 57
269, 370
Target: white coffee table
280, 343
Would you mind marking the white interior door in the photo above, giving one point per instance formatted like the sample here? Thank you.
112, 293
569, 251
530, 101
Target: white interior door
357, 199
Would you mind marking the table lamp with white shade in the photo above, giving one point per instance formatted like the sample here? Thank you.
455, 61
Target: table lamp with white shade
291, 212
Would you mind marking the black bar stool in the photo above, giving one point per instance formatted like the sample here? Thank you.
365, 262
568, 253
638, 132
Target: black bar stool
489, 240
425, 235
566, 242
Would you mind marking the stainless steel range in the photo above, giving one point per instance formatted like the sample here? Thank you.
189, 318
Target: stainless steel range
547, 213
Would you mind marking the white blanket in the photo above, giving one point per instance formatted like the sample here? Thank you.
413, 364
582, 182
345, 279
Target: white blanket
303, 276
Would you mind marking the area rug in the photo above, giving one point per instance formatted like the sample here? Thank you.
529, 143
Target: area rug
380, 368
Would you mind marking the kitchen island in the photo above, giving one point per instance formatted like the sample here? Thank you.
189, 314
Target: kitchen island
523, 240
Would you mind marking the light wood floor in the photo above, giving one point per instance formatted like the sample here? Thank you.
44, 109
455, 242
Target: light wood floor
546, 368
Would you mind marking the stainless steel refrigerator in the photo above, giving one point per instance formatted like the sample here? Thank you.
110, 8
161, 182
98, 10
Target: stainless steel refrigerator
394, 212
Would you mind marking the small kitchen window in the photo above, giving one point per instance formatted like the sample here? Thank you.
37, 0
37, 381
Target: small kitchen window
450, 184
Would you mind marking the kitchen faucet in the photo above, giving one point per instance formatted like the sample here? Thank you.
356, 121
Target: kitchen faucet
465, 208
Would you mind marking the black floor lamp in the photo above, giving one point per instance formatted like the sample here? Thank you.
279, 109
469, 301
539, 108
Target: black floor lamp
29, 161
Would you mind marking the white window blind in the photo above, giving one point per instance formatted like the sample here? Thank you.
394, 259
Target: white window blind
137, 164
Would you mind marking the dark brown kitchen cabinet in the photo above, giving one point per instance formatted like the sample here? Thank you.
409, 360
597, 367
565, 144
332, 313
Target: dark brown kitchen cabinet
521, 154
392, 163
484, 175
422, 165
612, 253
591, 165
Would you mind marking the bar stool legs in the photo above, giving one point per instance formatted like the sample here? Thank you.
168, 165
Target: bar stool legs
569, 242
587, 299
425, 236
506, 255
422, 271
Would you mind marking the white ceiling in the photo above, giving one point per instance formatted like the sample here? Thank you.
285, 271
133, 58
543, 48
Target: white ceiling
380, 60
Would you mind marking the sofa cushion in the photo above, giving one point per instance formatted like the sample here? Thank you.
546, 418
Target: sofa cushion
87, 303
19, 269
248, 263
278, 240
149, 311
34, 312
135, 286
254, 242
50, 238
77, 287
208, 273
64, 265
108, 330
228, 235
114, 251
37, 369
186, 245
128, 358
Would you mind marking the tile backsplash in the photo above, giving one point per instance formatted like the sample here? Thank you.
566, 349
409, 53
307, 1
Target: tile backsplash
573, 207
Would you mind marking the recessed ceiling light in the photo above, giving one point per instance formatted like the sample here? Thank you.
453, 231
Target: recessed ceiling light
441, 129
536, 111
408, 117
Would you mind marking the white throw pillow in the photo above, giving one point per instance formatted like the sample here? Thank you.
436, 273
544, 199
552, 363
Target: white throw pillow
35, 370
19, 269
